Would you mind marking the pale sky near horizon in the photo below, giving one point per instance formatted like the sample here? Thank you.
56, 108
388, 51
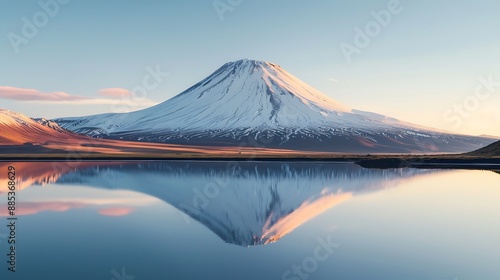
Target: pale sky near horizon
429, 64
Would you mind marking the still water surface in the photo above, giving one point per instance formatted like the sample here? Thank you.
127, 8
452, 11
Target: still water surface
192, 220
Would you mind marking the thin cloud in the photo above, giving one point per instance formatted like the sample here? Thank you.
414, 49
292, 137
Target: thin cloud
115, 211
32, 208
333, 80
116, 97
114, 92
26, 94
125, 102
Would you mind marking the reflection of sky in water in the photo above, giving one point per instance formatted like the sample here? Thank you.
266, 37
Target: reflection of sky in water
400, 224
56, 199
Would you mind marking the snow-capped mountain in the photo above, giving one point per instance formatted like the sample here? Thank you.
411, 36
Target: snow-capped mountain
50, 124
18, 129
256, 103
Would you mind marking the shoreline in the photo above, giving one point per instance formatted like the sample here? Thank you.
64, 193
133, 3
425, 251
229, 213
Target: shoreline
455, 161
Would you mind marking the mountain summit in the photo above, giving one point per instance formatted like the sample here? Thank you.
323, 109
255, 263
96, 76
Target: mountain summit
257, 103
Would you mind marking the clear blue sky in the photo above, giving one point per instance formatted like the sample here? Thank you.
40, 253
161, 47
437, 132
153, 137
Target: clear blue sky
429, 57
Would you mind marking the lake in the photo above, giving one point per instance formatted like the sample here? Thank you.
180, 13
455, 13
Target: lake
249, 220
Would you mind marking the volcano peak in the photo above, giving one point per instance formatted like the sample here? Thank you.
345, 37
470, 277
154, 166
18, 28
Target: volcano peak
249, 99
249, 65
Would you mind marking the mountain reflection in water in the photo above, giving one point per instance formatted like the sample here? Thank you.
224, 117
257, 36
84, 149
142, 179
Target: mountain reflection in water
244, 203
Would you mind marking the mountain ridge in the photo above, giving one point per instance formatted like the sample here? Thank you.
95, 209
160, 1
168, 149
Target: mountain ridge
18, 129
490, 150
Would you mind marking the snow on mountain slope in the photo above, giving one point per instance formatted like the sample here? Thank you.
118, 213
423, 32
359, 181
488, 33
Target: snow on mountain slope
50, 124
20, 134
255, 101
17, 129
